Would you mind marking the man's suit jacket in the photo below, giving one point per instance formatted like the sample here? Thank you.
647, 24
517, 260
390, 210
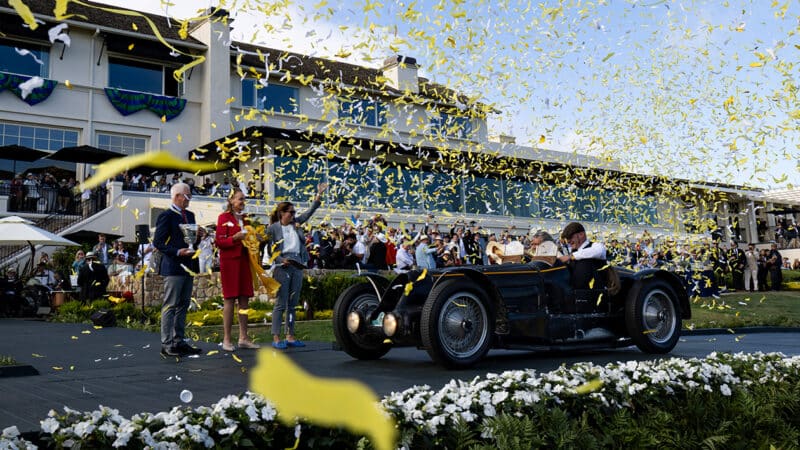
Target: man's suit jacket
168, 239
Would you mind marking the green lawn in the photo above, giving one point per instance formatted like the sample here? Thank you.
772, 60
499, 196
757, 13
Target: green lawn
747, 309
729, 311
312, 330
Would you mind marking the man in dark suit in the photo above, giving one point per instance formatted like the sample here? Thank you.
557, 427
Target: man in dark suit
177, 267
92, 279
736, 263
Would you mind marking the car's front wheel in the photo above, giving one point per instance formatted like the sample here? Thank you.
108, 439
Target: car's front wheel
456, 323
363, 344
652, 317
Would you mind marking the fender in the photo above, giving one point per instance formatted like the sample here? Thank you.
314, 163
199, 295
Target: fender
673, 281
379, 282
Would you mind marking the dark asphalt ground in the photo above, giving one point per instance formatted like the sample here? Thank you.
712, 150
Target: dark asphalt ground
82, 367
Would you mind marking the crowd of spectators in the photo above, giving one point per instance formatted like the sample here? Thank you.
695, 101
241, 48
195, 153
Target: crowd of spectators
42, 193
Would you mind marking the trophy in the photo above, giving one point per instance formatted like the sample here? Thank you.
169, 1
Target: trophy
189, 231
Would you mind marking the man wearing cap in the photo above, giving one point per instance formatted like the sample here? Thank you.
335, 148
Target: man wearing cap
585, 258
92, 278
177, 267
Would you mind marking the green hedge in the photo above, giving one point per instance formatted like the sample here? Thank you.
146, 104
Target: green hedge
126, 313
321, 291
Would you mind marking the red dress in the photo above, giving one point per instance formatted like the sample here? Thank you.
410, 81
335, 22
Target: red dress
234, 263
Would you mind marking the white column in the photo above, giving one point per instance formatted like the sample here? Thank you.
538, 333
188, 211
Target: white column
752, 225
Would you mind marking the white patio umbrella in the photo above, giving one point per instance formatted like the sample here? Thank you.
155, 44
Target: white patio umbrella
15, 230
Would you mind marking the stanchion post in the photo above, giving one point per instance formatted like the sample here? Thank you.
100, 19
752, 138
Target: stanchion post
143, 237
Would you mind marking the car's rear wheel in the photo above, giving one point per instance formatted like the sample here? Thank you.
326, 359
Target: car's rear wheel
652, 317
365, 343
456, 323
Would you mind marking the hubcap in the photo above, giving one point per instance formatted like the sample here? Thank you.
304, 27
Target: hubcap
659, 316
463, 325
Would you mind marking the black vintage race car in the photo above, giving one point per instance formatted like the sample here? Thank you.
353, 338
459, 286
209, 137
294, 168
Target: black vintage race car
458, 314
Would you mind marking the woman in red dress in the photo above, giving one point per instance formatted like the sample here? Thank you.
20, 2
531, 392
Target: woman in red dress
234, 269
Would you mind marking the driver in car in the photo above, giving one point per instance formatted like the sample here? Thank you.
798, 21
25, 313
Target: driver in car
585, 258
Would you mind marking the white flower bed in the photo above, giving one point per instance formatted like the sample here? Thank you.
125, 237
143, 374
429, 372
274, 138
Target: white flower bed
421, 409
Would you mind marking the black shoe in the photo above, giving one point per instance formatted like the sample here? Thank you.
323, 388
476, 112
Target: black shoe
185, 349
169, 351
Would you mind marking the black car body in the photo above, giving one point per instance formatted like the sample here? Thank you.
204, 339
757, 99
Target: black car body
458, 314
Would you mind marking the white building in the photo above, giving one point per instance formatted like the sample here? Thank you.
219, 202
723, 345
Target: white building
385, 139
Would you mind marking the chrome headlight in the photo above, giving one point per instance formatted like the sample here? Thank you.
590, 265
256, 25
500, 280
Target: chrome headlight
353, 322
389, 324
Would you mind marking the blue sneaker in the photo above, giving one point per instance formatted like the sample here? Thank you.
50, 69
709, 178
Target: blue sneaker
280, 345
295, 343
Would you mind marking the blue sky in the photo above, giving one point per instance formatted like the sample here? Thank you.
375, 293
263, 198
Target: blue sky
665, 87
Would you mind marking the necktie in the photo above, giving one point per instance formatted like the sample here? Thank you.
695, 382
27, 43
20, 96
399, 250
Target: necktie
183, 214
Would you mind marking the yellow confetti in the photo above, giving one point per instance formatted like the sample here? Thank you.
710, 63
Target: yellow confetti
320, 401
58, 368
67, 84
24, 12
589, 386
236, 358
36, 355
86, 332
212, 352
161, 160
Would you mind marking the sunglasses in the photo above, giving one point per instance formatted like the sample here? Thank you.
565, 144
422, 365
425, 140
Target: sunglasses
187, 196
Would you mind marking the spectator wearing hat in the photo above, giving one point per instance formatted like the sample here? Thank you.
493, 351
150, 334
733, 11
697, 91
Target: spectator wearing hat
424, 253
585, 259
92, 279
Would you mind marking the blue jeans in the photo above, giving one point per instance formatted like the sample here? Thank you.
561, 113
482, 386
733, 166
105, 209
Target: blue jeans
177, 297
291, 280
